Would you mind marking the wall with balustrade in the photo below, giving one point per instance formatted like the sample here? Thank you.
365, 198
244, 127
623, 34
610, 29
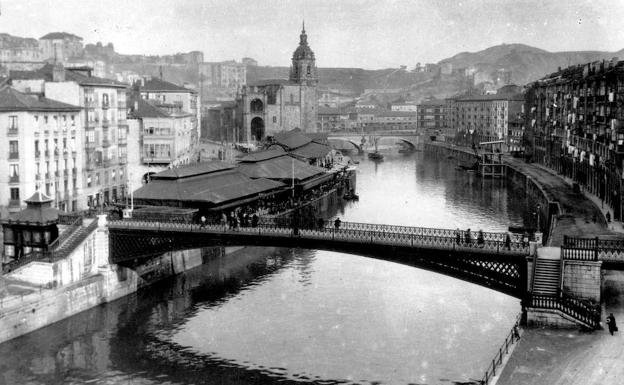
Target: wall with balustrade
582, 279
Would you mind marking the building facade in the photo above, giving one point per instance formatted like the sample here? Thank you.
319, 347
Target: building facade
40, 143
486, 115
103, 136
163, 92
432, 115
60, 46
270, 106
573, 124
228, 76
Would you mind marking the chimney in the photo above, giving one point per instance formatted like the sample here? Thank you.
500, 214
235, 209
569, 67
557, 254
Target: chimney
58, 73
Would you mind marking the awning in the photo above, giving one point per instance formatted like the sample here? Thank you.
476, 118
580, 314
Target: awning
308, 184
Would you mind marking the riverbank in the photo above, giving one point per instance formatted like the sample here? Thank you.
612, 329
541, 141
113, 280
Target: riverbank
547, 356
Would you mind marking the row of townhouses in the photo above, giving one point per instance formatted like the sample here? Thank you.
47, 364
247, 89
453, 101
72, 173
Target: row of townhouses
83, 140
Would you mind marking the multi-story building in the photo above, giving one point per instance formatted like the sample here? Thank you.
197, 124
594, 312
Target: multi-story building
379, 120
574, 125
270, 106
334, 119
17, 49
60, 46
486, 115
163, 92
41, 139
227, 75
432, 116
404, 107
159, 136
103, 136
219, 122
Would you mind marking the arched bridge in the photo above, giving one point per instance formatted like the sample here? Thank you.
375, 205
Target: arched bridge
493, 261
385, 140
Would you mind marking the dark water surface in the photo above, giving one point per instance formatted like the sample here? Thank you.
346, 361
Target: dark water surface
266, 315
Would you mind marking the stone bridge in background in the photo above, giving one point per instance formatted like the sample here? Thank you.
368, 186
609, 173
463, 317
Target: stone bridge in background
492, 261
351, 141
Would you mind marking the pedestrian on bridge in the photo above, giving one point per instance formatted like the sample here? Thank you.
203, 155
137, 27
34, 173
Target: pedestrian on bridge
468, 237
480, 239
611, 323
203, 222
320, 223
508, 241
337, 223
458, 236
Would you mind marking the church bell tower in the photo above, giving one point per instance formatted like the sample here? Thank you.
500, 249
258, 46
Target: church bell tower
303, 69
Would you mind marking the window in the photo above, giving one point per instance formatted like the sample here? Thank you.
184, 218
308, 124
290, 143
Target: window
13, 122
13, 147
15, 195
14, 170
275, 119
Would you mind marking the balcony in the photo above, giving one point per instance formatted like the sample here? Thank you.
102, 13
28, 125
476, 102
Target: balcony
122, 141
37, 154
105, 122
123, 160
14, 179
57, 173
74, 153
90, 166
89, 146
47, 153
105, 106
106, 143
15, 202
74, 170
13, 155
56, 152
38, 176
48, 175
12, 131
65, 172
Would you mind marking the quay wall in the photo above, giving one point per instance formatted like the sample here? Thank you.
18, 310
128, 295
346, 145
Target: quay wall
41, 293
582, 279
548, 208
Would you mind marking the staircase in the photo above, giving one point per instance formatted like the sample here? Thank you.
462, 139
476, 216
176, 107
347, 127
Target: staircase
546, 276
73, 239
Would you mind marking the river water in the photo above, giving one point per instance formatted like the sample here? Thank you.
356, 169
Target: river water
271, 315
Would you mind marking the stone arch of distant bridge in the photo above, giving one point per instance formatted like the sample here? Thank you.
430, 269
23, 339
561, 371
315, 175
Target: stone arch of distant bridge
333, 141
132, 245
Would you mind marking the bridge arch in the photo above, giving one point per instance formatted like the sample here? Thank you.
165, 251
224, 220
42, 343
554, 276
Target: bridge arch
130, 245
338, 144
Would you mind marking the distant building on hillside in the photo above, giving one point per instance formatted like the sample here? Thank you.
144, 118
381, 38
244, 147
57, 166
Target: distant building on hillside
223, 77
60, 46
249, 61
405, 107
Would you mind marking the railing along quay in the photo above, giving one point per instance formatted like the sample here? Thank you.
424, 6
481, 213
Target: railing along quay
497, 361
593, 249
444, 239
576, 308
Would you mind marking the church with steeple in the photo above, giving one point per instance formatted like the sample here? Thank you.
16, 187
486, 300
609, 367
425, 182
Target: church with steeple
269, 106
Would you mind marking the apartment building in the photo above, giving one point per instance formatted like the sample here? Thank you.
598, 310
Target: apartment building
41, 138
103, 134
486, 115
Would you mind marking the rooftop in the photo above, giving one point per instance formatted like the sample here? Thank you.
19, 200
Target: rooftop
59, 35
71, 74
194, 169
13, 100
158, 85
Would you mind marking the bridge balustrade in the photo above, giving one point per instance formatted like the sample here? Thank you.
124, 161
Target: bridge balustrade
443, 239
593, 249
574, 307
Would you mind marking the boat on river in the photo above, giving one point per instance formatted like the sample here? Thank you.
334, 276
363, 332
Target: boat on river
375, 155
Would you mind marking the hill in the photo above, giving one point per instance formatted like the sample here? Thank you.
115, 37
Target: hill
526, 63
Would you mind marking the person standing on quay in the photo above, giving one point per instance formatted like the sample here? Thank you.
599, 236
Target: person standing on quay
611, 323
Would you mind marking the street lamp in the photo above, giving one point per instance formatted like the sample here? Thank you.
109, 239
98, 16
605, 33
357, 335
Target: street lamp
537, 213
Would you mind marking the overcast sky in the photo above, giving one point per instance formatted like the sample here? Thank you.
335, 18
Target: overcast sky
342, 33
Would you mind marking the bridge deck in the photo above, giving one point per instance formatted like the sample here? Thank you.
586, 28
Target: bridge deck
413, 237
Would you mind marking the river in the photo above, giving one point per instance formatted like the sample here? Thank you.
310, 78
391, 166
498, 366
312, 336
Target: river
271, 315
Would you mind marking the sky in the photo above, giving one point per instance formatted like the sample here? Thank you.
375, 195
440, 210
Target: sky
342, 33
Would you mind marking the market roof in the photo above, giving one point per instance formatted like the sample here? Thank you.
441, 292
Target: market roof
59, 35
312, 150
291, 139
158, 85
280, 168
195, 169
254, 157
217, 188
13, 100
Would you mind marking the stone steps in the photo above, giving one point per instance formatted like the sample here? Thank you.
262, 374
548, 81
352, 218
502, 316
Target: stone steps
546, 277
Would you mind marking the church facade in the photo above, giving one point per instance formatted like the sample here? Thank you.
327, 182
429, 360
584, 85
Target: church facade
267, 107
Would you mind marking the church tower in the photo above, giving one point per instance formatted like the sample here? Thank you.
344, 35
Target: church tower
303, 69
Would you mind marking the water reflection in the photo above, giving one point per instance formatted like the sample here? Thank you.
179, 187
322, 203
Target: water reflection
292, 316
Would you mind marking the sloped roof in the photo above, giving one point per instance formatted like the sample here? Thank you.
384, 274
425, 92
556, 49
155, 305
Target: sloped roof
280, 168
38, 210
38, 198
263, 155
45, 73
147, 109
59, 35
13, 100
312, 150
191, 170
292, 139
217, 188
158, 85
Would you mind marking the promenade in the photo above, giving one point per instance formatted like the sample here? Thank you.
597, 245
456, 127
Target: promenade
571, 357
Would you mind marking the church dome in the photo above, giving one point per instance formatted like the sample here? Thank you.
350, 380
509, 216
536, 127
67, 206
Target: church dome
303, 51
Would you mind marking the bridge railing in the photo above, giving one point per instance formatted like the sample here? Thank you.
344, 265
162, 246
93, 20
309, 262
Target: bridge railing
352, 232
592, 249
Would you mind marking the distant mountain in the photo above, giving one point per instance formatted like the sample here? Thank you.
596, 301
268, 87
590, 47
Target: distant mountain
526, 63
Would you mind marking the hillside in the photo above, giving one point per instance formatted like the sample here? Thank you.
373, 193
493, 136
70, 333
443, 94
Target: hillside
526, 63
